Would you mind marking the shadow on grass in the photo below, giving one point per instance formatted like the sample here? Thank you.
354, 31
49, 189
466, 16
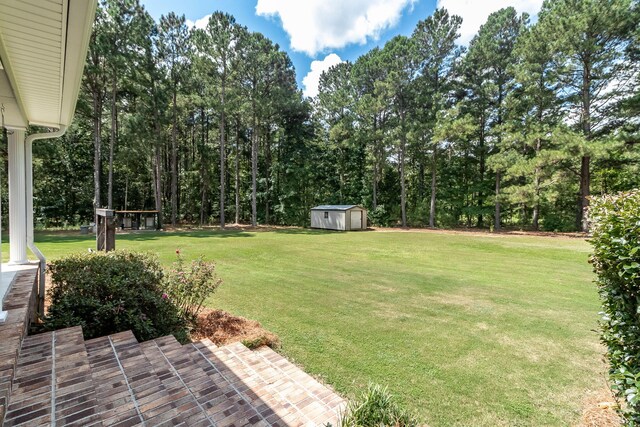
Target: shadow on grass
71, 237
139, 236
303, 231
62, 237
198, 234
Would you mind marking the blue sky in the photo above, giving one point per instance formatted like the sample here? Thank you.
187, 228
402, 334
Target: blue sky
319, 33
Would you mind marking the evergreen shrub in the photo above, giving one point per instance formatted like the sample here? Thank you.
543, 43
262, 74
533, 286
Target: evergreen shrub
106, 293
615, 226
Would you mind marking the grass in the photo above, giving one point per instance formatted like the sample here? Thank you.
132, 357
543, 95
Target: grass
464, 329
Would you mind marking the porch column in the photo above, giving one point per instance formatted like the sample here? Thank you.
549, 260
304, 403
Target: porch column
17, 198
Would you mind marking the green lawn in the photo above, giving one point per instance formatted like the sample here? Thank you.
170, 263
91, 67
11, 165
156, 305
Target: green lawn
465, 329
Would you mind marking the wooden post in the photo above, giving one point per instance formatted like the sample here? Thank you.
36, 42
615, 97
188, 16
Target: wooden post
106, 233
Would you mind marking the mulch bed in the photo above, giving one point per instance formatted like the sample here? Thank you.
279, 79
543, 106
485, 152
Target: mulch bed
600, 409
223, 328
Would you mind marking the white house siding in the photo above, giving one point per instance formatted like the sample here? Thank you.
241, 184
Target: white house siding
335, 220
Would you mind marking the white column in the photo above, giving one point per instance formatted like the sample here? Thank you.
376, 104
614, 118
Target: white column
17, 199
28, 186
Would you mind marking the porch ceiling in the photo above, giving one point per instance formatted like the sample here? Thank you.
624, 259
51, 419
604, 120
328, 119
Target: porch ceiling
43, 46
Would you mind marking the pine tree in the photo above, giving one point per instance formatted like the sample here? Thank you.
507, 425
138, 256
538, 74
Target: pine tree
590, 37
490, 53
435, 40
173, 46
400, 56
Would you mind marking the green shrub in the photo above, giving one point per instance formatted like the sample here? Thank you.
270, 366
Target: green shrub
615, 222
379, 217
556, 222
112, 292
377, 408
188, 288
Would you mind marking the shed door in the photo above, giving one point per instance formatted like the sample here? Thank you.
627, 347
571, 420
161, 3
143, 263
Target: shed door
356, 220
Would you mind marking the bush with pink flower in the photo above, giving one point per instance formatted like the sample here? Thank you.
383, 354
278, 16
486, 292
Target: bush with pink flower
188, 285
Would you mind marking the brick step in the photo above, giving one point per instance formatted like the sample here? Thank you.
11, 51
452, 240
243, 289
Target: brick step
319, 399
224, 398
135, 389
116, 401
333, 405
177, 371
280, 398
60, 379
53, 383
270, 388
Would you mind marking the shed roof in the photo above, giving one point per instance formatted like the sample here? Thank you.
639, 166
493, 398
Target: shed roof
335, 207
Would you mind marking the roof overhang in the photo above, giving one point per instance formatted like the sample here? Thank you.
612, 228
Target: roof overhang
342, 208
43, 48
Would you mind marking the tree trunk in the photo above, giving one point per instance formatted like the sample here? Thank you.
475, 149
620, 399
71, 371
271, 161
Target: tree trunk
174, 162
156, 160
374, 191
126, 192
465, 185
585, 183
237, 171
112, 140
97, 152
203, 200
254, 172
157, 175
403, 189
585, 170
223, 160
535, 222
374, 195
421, 179
432, 207
157, 169
157, 182
496, 220
536, 183
267, 176
204, 188
482, 171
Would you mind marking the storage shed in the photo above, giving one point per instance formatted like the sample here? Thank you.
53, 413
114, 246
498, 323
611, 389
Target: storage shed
339, 217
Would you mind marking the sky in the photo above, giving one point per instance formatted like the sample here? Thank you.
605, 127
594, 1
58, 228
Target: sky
318, 34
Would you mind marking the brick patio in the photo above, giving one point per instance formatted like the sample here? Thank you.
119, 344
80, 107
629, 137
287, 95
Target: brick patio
58, 378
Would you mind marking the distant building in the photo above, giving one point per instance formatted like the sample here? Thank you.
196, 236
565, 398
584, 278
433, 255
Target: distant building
339, 217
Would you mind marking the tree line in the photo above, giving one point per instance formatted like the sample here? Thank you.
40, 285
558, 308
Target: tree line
208, 125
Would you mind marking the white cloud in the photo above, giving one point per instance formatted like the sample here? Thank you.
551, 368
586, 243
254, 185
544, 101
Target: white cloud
474, 13
316, 25
312, 79
200, 23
